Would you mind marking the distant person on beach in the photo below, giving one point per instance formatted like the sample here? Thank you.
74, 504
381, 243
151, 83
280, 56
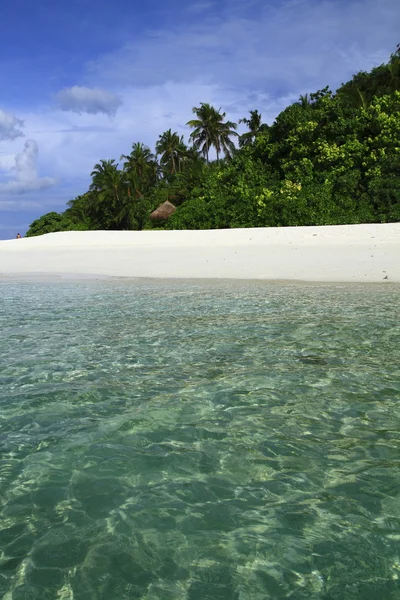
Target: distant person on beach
18, 236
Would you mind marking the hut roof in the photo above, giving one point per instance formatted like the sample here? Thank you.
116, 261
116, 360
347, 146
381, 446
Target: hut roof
164, 211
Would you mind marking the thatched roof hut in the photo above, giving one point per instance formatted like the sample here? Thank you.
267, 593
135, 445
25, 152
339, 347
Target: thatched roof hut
164, 211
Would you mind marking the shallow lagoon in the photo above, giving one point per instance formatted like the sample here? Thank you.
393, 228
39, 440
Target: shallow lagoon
199, 441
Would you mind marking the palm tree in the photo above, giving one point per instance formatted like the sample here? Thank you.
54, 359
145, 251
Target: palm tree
354, 97
304, 101
255, 126
141, 173
142, 164
108, 189
190, 175
135, 207
171, 149
211, 130
192, 158
107, 180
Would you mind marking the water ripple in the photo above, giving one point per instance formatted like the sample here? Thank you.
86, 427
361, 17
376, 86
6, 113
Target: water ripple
194, 441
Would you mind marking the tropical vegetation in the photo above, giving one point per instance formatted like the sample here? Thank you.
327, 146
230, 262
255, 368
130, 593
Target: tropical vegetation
330, 158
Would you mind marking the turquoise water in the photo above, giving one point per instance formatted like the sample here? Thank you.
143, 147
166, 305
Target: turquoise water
199, 441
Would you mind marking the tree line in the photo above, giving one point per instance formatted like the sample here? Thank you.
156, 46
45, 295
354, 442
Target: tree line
330, 158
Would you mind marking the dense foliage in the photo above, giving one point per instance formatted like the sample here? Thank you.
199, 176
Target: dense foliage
327, 159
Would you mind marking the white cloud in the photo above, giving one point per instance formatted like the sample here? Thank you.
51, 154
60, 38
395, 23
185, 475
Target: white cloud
10, 126
6, 161
280, 48
24, 176
92, 101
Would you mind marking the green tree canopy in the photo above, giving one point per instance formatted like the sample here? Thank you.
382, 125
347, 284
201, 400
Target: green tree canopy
330, 158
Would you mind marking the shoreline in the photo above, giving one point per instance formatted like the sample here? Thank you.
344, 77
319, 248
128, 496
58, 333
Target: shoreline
60, 278
317, 254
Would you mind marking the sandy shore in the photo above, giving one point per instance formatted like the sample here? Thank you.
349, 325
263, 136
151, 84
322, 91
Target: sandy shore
349, 253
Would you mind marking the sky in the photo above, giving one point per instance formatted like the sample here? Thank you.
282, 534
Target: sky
84, 79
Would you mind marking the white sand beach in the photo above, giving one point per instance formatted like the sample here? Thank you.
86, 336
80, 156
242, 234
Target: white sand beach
348, 253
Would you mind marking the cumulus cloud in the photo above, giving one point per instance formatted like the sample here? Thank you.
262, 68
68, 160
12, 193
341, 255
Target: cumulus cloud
24, 175
10, 126
80, 100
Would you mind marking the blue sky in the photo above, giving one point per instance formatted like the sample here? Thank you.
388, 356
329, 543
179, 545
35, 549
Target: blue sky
84, 79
